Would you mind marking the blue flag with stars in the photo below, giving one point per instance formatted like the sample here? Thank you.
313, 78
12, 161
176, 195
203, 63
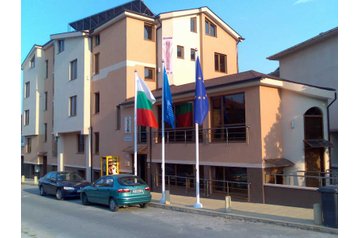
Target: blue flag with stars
201, 103
167, 102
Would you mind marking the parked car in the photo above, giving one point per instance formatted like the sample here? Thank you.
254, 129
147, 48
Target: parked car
62, 184
117, 191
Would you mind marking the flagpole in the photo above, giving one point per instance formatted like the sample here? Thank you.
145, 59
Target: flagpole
162, 200
197, 204
135, 123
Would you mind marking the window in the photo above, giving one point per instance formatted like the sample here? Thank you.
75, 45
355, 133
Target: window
148, 32
73, 69
27, 117
220, 62
45, 101
228, 117
128, 124
97, 40
45, 132
61, 46
80, 143
118, 119
96, 63
96, 142
28, 145
180, 52
192, 54
96, 102
32, 62
148, 73
193, 24
27, 89
210, 28
46, 69
73, 106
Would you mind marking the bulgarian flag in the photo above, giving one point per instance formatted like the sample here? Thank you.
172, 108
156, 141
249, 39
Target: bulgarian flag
184, 115
144, 102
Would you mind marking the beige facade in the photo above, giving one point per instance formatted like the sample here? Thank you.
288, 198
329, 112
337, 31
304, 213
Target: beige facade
253, 120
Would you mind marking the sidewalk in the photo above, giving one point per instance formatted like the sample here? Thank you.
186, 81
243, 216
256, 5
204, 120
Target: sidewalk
296, 217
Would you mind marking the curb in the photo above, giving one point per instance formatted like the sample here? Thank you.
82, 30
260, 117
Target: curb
207, 212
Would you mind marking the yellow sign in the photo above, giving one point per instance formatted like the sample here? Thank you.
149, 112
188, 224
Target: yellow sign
110, 165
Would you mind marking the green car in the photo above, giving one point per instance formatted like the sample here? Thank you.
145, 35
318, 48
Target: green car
117, 191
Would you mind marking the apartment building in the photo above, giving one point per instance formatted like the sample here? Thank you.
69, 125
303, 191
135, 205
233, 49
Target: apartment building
255, 129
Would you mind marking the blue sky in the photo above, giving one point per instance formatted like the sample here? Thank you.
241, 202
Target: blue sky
268, 26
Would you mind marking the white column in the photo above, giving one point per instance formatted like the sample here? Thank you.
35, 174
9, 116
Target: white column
60, 152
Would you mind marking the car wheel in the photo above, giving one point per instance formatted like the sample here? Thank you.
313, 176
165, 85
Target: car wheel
42, 191
143, 205
84, 199
113, 205
59, 194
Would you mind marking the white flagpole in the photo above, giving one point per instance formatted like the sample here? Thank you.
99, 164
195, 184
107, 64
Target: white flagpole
162, 200
197, 204
135, 123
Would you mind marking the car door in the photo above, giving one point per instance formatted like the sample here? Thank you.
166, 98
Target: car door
47, 183
104, 190
92, 192
52, 184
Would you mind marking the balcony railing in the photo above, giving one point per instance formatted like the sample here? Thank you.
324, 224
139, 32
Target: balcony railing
304, 178
227, 134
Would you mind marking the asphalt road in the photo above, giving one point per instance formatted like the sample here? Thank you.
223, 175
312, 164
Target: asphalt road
46, 217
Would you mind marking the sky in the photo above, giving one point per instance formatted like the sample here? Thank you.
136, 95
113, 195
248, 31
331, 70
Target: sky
268, 26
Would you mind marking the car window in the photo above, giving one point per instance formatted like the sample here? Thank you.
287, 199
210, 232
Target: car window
52, 176
109, 182
100, 182
69, 176
131, 181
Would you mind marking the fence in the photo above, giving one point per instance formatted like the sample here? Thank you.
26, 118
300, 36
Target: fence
227, 134
304, 178
208, 187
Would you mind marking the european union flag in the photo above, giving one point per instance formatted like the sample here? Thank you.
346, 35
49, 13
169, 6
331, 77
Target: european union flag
201, 103
167, 102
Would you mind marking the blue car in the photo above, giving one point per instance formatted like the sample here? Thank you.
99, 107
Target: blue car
62, 184
117, 191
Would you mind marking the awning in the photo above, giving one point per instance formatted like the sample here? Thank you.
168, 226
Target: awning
141, 149
277, 163
318, 143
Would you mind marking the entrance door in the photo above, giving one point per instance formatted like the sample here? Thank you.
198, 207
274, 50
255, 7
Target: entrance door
314, 166
142, 161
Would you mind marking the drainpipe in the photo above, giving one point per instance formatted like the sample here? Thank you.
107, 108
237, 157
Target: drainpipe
328, 128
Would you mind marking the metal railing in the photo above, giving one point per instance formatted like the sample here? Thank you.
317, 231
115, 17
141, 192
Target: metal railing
227, 134
303, 178
208, 187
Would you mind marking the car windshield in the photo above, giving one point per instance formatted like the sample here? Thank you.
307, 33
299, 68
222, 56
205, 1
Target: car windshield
131, 181
67, 176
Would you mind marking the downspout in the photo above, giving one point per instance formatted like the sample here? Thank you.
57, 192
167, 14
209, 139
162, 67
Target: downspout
329, 129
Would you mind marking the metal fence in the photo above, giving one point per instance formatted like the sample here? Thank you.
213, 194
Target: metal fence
208, 187
227, 134
304, 178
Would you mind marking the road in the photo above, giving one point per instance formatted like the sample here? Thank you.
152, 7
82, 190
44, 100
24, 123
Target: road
46, 217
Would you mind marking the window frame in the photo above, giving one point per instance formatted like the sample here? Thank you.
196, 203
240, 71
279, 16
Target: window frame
192, 50
118, 117
97, 102
45, 132
80, 143
148, 35
27, 89
210, 28
151, 76
193, 25
28, 144
46, 69
72, 106
61, 46
218, 62
73, 69
26, 117
180, 50
96, 63
97, 40
96, 143
32, 62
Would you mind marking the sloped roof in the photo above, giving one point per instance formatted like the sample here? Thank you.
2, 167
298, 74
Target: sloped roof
96, 20
238, 79
322, 36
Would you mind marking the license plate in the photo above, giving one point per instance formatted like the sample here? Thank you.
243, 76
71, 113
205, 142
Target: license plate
137, 191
